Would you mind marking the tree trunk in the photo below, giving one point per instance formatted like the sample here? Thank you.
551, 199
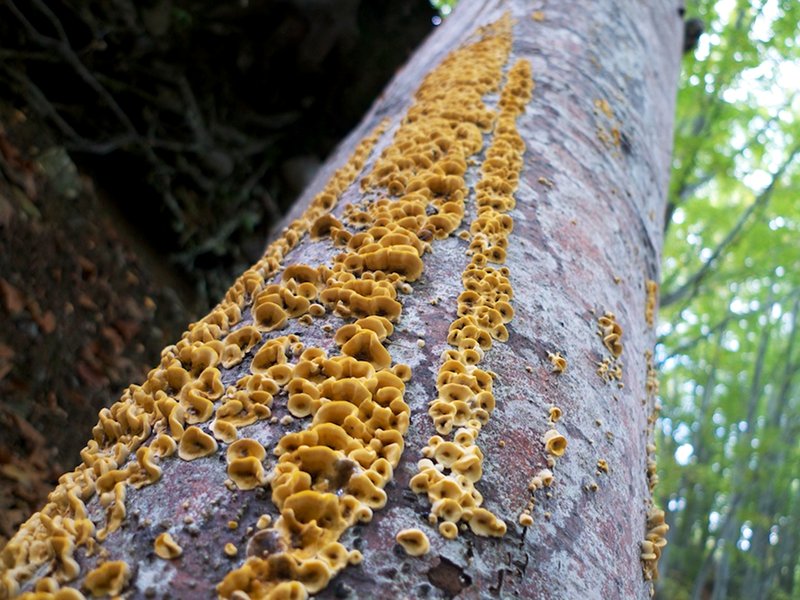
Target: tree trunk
760, 568
498, 507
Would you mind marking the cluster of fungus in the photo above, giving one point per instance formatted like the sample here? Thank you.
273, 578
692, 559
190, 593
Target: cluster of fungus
651, 390
559, 362
331, 475
650, 304
453, 462
608, 128
168, 413
653, 543
610, 331
657, 529
555, 444
543, 479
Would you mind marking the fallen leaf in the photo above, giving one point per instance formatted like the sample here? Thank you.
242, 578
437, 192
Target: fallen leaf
47, 322
6, 352
12, 298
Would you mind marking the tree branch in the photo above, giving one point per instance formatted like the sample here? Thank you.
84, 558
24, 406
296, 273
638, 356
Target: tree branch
694, 281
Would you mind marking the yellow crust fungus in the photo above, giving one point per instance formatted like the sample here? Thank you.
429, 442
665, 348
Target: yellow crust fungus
108, 579
653, 543
246, 448
483, 522
224, 431
448, 530
166, 547
413, 541
269, 316
247, 473
554, 442
546, 477
148, 471
559, 362
650, 304
195, 443
263, 521
237, 344
365, 346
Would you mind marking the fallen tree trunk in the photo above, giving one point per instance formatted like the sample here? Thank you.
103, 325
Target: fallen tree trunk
437, 382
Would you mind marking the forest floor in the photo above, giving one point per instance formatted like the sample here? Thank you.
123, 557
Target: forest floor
85, 311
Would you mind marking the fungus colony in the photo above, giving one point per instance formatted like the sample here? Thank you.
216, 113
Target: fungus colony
651, 387
652, 299
330, 474
451, 468
610, 331
559, 362
654, 542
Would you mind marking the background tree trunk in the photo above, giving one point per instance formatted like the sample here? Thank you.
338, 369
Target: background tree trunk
586, 238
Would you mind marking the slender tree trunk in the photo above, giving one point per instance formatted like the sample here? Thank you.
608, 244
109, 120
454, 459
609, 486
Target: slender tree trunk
760, 568
729, 532
694, 496
788, 551
549, 200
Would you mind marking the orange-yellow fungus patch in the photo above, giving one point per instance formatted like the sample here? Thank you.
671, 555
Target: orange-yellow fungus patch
167, 548
413, 541
195, 443
554, 442
109, 579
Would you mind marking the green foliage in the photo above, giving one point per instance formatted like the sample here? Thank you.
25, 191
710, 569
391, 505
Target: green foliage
729, 460
445, 7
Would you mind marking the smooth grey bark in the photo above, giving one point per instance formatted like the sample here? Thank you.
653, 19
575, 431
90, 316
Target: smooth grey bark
602, 218
587, 236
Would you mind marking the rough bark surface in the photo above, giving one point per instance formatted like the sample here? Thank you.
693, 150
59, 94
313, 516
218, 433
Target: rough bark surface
586, 240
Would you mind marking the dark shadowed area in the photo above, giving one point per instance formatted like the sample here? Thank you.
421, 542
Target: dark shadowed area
146, 150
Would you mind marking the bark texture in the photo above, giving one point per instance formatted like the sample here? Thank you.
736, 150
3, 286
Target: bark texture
586, 238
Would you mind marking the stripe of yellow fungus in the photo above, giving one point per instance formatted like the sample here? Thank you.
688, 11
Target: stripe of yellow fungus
451, 469
652, 300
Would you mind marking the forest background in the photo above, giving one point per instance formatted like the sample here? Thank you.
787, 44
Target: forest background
146, 149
